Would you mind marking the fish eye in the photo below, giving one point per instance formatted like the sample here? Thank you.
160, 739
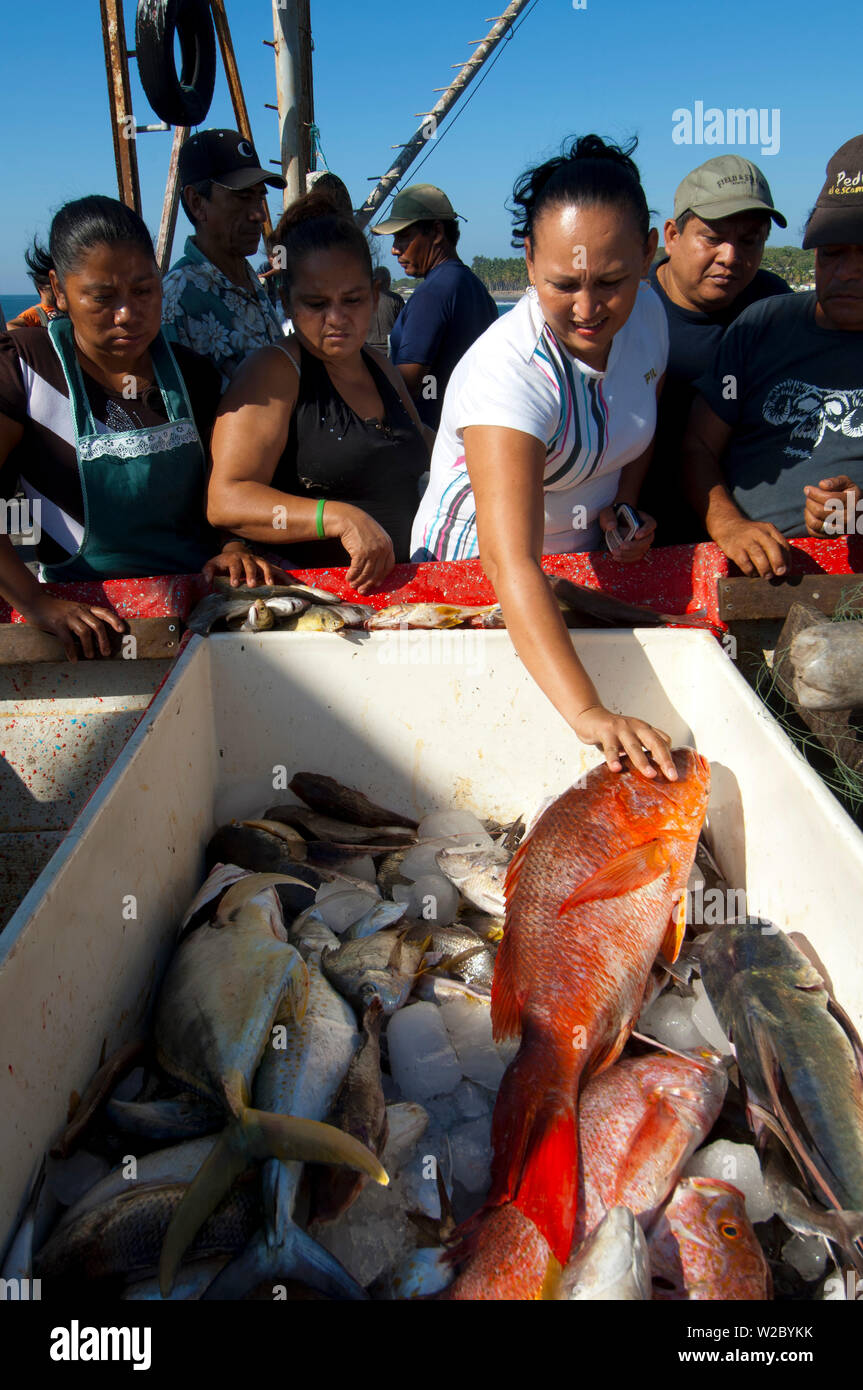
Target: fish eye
729, 1230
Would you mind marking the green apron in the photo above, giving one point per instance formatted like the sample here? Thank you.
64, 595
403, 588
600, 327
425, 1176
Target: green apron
143, 489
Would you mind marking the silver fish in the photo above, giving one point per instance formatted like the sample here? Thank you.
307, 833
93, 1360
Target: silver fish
611, 1265
479, 876
299, 1076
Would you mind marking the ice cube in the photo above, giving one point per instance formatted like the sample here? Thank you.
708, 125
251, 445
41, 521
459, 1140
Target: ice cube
433, 899
340, 907
739, 1165
472, 1101
407, 1124
468, 1023
426, 1271
707, 1023
422, 859
806, 1254
669, 1020
373, 1236
443, 1111
441, 823
471, 1154
422, 1059
361, 867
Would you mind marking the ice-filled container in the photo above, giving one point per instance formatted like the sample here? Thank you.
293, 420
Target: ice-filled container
419, 722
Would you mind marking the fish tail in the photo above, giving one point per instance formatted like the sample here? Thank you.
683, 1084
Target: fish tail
295, 1256
255, 1134
535, 1144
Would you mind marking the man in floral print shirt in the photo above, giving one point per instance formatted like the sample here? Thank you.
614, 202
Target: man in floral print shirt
213, 301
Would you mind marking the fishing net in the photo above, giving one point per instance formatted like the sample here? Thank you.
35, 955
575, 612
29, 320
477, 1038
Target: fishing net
843, 780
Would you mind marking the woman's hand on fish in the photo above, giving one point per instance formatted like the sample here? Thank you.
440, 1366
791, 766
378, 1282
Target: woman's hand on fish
66, 621
821, 506
618, 736
641, 542
242, 567
367, 543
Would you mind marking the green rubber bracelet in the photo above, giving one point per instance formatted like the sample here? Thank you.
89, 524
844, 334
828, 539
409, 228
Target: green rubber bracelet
319, 518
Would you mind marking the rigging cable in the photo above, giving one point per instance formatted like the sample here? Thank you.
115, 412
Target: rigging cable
440, 135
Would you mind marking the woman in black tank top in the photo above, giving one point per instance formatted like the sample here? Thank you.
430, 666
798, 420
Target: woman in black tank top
317, 450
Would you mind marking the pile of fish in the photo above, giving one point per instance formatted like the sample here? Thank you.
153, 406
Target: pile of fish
297, 607
457, 1059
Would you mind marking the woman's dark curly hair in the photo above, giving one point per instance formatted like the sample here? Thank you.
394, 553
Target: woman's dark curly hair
587, 172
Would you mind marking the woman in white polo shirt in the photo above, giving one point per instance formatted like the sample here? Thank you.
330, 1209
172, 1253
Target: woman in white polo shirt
548, 421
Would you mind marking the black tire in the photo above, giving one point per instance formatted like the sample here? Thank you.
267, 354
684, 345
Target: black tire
184, 98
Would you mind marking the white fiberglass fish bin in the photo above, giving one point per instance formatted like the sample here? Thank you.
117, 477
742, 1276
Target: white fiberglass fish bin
418, 721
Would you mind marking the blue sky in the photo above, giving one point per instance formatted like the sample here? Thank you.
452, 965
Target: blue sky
615, 66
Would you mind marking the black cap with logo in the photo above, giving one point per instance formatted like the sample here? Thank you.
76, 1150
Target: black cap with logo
226, 157
837, 218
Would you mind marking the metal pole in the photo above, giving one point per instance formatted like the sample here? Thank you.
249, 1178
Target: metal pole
232, 72
168, 224
289, 83
120, 102
433, 118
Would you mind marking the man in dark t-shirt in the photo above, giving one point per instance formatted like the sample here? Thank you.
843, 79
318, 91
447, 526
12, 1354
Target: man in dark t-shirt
774, 444
709, 275
389, 307
449, 310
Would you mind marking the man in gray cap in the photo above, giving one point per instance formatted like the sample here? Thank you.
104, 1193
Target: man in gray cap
213, 302
448, 311
774, 445
709, 275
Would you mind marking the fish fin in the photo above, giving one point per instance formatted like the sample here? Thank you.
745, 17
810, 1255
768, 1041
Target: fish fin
268, 1135
242, 892
535, 1148
256, 1134
771, 1072
546, 1192
629, 871
656, 1130
845, 1023
505, 1006
551, 1283
606, 1058
514, 868
224, 1164
295, 1256
296, 997
673, 939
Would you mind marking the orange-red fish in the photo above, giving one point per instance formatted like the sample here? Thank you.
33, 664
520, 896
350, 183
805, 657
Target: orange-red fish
506, 1257
703, 1246
592, 895
639, 1122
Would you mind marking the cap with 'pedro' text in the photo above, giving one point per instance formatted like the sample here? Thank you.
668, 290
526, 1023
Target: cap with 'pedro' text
837, 218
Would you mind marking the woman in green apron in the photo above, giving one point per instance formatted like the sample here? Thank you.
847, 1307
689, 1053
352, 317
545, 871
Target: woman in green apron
106, 427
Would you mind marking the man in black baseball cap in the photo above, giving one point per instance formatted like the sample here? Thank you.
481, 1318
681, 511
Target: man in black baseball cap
709, 274
213, 301
774, 446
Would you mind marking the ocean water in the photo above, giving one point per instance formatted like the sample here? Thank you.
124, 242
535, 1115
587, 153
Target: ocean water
14, 304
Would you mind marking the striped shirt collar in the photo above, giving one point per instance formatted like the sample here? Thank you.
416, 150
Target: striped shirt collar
530, 326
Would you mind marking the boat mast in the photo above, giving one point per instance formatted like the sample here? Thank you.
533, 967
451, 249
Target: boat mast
292, 32
432, 119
